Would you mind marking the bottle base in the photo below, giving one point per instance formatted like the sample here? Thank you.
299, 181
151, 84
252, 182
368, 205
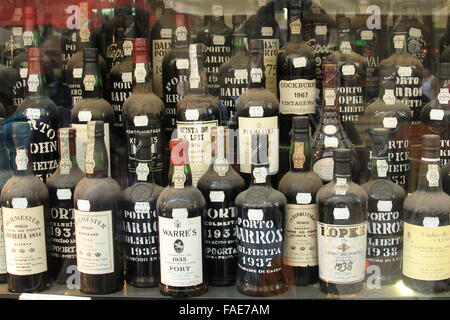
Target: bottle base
183, 292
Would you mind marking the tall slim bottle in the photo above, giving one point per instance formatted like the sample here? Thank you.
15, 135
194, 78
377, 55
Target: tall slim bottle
143, 111
42, 115
181, 210
385, 213
426, 236
139, 220
25, 207
300, 186
97, 220
342, 230
61, 186
260, 225
220, 185
197, 113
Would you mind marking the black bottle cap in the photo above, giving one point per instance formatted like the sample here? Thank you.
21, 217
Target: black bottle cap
379, 138
300, 124
431, 145
343, 22
341, 155
260, 149
21, 133
444, 70
255, 45
238, 19
90, 54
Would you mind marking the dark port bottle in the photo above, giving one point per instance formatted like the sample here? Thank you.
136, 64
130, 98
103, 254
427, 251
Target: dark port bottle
389, 113
92, 107
25, 209
233, 75
140, 221
435, 115
425, 264
352, 73
42, 115
257, 112
300, 186
181, 210
143, 111
197, 113
5, 174
260, 225
319, 32
61, 186
418, 35
217, 37
330, 134
263, 26
370, 45
175, 72
97, 220
342, 230
385, 214
161, 42
296, 75
220, 185
31, 39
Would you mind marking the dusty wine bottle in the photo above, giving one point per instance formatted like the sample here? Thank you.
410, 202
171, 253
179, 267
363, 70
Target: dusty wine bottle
181, 208
25, 207
97, 220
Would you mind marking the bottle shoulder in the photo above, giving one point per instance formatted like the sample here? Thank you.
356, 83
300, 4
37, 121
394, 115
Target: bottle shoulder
257, 97
142, 104
100, 109
58, 181
98, 189
207, 105
188, 197
300, 182
382, 189
212, 181
261, 196
43, 103
355, 193
142, 191
29, 187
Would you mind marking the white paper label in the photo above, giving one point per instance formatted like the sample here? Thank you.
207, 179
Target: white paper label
95, 248
140, 73
266, 31
181, 251
17, 31
84, 116
28, 38
33, 114
390, 122
89, 82
84, 205
382, 168
436, 114
142, 171
33, 82
433, 175
256, 111
192, 114
321, 30
367, 35
255, 214
216, 196
218, 40
142, 207
324, 168
404, 71
260, 174
21, 160
19, 203
77, 73
140, 121
443, 96
341, 213
127, 48
127, 77
180, 213
389, 97
399, 41
256, 74
348, 70
341, 186
384, 205
182, 64
25, 248
241, 74
166, 33
431, 222
414, 32
303, 198
346, 47
23, 72
299, 62
64, 194
342, 252
298, 96
329, 96
330, 129
331, 142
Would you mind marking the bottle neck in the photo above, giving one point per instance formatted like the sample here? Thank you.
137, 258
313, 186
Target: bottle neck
294, 24
96, 158
443, 96
197, 77
4, 158
342, 172
31, 36
180, 176
142, 76
400, 43
37, 84
260, 175
239, 43
300, 153
92, 80
257, 74
67, 152
410, 12
379, 168
23, 166
429, 177
144, 171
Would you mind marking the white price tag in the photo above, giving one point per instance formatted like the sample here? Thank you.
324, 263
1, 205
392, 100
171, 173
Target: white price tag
367, 35
341, 213
431, 222
84, 205
180, 213
348, 70
241, 74
84, 116
33, 114
436, 114
23, 72
255, 214
19, 203
142, 207
384, 205
17, 31
331, 142
77, 73
303, 198
321, 30
217, 196
192, 114
404, 71
127, 77
299, 62
390, 122
166, 33
414, 32
140, 121
266, 31
218, 40
64, 194
330, 129
256, 111
182, 64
